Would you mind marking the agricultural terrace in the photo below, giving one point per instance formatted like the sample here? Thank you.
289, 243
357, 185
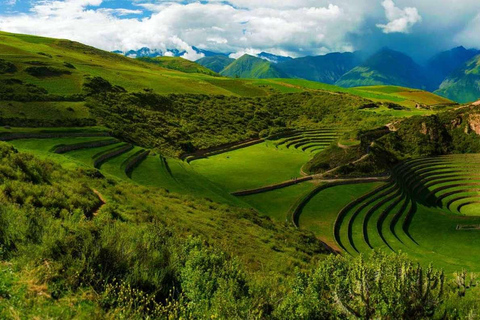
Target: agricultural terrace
429, 208
272, 161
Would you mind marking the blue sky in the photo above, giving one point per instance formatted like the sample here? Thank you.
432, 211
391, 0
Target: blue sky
286, 27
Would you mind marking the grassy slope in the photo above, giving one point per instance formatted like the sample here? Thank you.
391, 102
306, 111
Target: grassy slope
406, 97
386, 67
463, 85
252, 68
179, 64
215, 63
320, 213
252, 167
135, 75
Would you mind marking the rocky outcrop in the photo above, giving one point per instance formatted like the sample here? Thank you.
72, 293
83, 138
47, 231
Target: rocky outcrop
474, 123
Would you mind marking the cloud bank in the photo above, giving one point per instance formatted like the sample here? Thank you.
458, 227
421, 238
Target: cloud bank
288, 27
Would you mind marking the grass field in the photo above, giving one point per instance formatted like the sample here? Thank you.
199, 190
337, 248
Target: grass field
171, 174
275, 204
252, 167
319, 214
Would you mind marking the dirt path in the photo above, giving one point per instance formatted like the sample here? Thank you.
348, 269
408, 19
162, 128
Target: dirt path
102, 202
305, 177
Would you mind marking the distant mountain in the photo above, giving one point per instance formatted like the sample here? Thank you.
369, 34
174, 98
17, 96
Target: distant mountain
179, 64
215, 63
273, 58
252, 67
463, 85
327, 69
149, 53
387, 67
153, 53
445, 63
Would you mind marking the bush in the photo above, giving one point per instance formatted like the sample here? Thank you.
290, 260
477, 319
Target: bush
43, 71
7, 67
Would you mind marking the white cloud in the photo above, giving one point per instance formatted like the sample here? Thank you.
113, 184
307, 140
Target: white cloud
250, 51
470, 35
399, 20
289, 27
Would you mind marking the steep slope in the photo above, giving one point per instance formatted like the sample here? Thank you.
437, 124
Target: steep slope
61, 67
215, 63
464, 84
386, 67
252, 68
445, 63
179, 64
327, 69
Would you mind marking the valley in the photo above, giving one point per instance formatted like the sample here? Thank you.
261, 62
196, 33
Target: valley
157, 187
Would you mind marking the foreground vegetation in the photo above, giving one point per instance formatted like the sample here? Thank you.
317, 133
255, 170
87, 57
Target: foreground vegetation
73, 254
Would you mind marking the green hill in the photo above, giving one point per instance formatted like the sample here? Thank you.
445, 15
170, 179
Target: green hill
179, 64
61, 67
386, 67
215, 63
464, 84
250, 67
327, 69
443, 64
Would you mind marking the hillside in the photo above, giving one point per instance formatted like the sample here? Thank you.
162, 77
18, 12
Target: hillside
61, 67
250, 67
327, 69
386, 67
445, 63
215, 63
179, 64
464, 84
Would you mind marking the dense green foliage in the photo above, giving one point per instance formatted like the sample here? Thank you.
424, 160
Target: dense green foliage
447, 132
185, 123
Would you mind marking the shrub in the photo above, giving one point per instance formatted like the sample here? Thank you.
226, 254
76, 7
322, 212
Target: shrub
7, 67
44, 71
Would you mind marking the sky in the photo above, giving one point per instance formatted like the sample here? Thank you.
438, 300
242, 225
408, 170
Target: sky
293, 28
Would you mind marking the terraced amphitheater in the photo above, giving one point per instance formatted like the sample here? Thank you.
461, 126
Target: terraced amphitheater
312, 141
428, 207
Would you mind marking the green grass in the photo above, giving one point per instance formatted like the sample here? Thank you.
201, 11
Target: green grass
44, 110
116, 166
275, 204
252, 167
406, 97
321, 211
179, 64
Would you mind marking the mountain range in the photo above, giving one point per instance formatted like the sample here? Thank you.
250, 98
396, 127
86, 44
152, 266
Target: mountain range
454, 74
